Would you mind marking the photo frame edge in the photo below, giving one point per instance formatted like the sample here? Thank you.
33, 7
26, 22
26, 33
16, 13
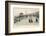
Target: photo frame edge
6, 18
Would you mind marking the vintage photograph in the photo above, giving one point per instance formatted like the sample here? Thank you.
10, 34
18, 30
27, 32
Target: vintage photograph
24, 17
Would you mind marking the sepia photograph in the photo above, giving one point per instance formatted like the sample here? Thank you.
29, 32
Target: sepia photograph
24, 17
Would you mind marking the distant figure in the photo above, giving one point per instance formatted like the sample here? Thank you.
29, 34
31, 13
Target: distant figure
30, 21
36, 20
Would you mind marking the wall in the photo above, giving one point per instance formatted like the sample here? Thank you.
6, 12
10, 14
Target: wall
2, 18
